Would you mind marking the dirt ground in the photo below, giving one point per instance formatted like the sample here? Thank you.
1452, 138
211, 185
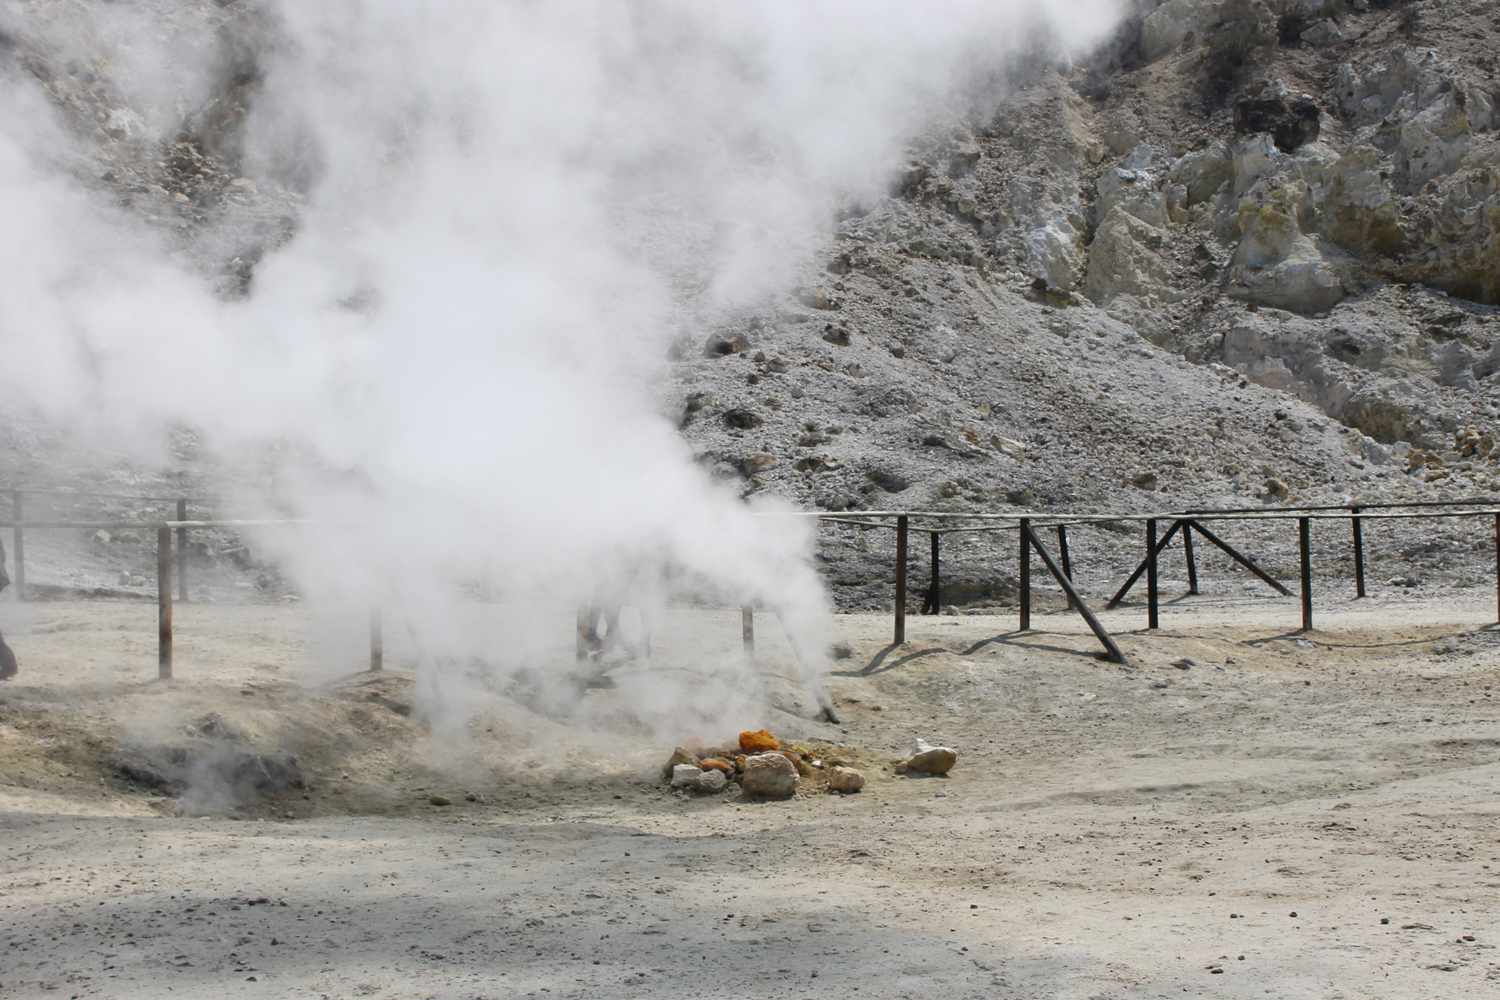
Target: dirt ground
1242, 812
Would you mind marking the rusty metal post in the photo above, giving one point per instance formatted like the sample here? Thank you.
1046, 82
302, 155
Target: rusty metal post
747, 629
182, 590
902, 531
164, 603
1153, 616
935, 588
1024, 573
377, 642
1192, 560
18, 549
1067, 562
1359, 552
1304, 547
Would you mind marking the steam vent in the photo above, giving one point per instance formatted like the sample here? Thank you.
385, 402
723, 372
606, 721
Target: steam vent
716, 500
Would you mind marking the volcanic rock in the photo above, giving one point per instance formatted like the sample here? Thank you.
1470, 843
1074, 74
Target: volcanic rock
928, 759
679, 756
758, 741
769, 776
845, 780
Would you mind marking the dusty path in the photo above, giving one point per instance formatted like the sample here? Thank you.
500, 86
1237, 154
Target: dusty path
1289, 816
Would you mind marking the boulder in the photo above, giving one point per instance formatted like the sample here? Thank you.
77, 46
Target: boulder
1126, 259
929, 759
845, 780
680, 755
1292, 120
1358, 208
1203, 173
1173, 23
1276, 264
769, 776
686, 776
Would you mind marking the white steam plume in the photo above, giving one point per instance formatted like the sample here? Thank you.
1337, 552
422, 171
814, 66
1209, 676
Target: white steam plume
511, 207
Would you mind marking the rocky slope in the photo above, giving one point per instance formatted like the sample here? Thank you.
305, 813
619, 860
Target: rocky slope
1248, 251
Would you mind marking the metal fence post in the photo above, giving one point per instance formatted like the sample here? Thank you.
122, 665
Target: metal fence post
1192, 560
935, 591
164, 603
902, 530
1359, 552
1067, 559
1024, 572
1153, 616
1304, 549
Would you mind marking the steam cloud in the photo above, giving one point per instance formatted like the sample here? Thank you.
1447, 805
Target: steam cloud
509, 209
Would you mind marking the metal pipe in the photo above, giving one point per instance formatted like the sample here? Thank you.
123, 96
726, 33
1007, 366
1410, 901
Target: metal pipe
1067, 563
902, 523
1304, 547
164, 603
1126, 587
1192, 560
1359, 552
935, 593
1024, 573
1153, 616
1066, 583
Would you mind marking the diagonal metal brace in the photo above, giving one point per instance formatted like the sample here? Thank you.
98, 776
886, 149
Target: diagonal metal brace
1115, 653
1140, 570
1243, 560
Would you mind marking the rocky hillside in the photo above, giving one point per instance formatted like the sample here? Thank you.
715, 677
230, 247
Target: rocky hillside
1250, 250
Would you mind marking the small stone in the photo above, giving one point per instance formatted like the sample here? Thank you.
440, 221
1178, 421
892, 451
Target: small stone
758, 741
1385, 920
845, 780
687, 776
769, 775
440, 800
1144, 480
679, 756
928, 759
711, 782
717, 764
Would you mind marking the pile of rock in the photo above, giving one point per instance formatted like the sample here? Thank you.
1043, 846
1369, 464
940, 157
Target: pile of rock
761, 766
764, 767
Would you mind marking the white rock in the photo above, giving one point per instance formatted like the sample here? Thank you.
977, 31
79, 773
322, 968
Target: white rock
769, 775
845, 780
712, 781
686, 776
929, 759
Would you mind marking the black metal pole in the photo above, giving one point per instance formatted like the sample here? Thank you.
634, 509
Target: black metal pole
1192, 560
1066, 583
182, 590
164, 603
1128, 585
901, 540
1153, 617
1359, 552
935, 592
1240, 558
1304, 546
1067, 562
1024, 572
